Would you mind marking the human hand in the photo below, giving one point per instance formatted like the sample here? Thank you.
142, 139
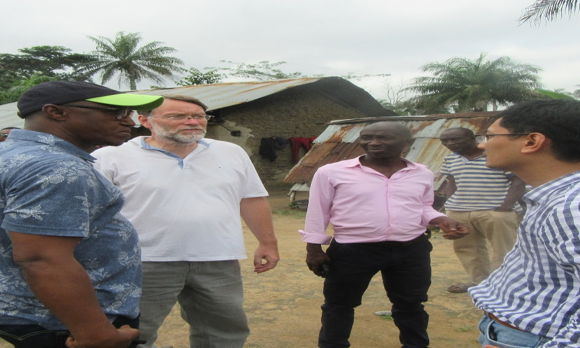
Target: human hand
452, 229
505, 210
490, 346
124, 338
315, 259
267, 253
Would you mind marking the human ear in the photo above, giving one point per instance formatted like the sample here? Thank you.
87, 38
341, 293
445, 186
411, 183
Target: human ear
534, 142
144, 121
54, 112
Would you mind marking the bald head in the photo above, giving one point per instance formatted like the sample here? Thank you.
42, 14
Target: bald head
385, 140
389, 127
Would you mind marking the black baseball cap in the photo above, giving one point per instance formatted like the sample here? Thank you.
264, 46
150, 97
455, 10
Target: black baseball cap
62, 92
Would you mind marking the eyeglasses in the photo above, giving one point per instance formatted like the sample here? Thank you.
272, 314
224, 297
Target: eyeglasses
119, 113
482, 139
186, 117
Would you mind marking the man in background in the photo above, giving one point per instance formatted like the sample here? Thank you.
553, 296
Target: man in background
379, 205
532, 300
70, 262
483, 199
184, 196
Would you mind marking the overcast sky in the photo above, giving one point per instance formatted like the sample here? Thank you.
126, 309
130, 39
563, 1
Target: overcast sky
313, 36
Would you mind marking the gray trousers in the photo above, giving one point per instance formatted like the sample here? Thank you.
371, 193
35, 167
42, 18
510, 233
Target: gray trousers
210, 295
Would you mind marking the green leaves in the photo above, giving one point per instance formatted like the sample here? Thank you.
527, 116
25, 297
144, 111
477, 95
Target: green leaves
122, 57
549, 10
471, 85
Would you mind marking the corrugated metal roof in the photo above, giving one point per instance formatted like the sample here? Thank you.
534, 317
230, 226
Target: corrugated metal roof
339, 141
215, 96
222, 95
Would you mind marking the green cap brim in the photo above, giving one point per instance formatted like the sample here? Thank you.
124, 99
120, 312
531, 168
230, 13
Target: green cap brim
131, 101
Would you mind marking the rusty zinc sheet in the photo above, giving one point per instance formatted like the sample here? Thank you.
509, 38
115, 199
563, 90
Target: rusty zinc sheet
339, 141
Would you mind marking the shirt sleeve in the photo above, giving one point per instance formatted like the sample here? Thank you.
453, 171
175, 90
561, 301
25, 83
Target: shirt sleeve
52, 198
318, 214
445, 167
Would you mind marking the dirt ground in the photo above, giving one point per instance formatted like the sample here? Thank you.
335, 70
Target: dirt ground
283, 305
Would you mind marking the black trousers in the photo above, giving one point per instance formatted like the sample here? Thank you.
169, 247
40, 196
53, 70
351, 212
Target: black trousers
35, 336
406, 272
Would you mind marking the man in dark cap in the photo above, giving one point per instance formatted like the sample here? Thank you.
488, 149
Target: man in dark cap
70, 270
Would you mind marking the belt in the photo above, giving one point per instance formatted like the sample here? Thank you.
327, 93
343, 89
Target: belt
422, 238
492, 316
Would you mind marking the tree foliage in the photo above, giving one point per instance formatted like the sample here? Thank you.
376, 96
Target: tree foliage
122, 57
261, 71
471, 85
197, 77
20, 72
12, 93
549, 10
265, 70
50, 61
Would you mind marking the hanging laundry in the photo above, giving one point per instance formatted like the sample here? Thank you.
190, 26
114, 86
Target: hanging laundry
268, 147
297, 143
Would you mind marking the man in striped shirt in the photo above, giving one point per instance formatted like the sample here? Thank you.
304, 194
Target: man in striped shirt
533, 299
483, 199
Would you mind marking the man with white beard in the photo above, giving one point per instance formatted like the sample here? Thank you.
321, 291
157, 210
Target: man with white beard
184, 195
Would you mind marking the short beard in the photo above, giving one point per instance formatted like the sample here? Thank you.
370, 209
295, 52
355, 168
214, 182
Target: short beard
187, 139
176, 136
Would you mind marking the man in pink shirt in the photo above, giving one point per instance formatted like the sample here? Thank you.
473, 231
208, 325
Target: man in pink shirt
379, 205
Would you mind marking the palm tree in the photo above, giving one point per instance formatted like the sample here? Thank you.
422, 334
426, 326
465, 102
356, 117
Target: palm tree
471, 85
549, 10
132, 64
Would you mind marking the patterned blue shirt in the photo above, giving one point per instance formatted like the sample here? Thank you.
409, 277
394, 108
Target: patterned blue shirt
49, 187
537, 289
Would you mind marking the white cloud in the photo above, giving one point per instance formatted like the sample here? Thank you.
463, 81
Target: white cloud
314, 36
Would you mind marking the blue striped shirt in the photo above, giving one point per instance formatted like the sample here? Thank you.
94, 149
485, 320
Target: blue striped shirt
478, 187
537, 289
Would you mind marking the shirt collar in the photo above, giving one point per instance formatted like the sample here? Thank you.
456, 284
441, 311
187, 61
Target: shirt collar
544, 192
201, 144
465, 159
355, 162
51, 140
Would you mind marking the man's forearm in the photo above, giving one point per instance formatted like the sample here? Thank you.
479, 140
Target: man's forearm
258, 216
62, 284
66, 290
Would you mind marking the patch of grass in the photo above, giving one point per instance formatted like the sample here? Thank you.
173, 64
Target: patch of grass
464, 328
386, 317
292, 213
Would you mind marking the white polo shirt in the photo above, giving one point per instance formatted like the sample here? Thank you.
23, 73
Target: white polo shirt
183, 209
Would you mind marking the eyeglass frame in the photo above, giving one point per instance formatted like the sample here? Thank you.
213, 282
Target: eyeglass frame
185, 117
484, 138
118, 117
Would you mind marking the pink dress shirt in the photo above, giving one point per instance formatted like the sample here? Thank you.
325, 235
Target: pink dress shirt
364, 206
